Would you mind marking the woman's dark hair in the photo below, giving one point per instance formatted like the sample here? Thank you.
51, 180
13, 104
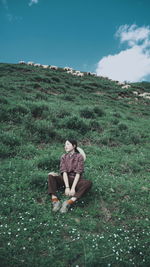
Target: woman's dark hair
74, 143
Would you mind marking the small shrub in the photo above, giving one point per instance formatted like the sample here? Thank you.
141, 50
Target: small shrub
56, 79
19, 108
94, 125
4, 114
135, 139
117, 114
115, 121
76, 124
42, 79
37, 109
6, 151
3, 100
10, 139
130, 118
44, 131
99, 111
15, 113
87, 113
41, 96
48, 162
109, 141
29, 122
36, 85
146, 112
65, 134
122, 127
10, 144
27, 151
41, 130
62, 88
68, 97
62, 113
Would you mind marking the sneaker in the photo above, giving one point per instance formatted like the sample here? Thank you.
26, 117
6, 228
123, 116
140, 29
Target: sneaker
65, 207
56, 206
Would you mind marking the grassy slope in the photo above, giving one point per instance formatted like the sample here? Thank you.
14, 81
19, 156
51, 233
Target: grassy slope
40, 109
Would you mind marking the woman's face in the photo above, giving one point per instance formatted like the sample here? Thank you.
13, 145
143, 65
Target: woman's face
69, 147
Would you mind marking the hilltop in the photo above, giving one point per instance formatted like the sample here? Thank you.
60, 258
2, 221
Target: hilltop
40, 109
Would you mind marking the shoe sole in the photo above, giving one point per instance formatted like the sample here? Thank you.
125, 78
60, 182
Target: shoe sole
57, 208
64, 208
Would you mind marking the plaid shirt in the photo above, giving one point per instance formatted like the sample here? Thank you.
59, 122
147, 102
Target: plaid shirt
72, 163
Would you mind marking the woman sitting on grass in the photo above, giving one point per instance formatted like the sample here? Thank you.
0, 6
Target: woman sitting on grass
71, 169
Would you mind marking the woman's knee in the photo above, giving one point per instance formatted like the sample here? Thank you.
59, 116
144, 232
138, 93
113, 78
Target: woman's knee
87, 184
50, 177
53, 173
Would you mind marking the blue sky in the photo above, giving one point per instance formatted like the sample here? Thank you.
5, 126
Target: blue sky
110, 37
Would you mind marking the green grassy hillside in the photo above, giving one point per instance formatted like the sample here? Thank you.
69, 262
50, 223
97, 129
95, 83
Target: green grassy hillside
40, 109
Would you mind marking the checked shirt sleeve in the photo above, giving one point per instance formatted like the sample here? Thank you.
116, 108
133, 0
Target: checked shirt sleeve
80, 165
63, 167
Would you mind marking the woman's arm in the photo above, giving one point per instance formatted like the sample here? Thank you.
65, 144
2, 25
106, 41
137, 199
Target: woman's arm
65, 177
67, 189
76, 179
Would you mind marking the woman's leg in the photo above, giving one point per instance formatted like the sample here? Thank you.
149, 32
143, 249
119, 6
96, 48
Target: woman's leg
54, 182
83, 186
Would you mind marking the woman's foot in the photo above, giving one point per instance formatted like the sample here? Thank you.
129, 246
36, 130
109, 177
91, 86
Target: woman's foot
66, 205
56, 203
56, 206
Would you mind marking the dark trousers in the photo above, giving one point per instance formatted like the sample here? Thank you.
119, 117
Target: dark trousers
56, 182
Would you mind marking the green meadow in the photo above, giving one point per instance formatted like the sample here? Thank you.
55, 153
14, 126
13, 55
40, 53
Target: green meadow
110, 226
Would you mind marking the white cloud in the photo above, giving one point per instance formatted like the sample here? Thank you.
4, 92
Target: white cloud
133, 63
33, 2
133, 35
8, 14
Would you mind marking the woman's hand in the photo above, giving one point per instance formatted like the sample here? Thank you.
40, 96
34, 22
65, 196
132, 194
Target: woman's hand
67, 191
72, 192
